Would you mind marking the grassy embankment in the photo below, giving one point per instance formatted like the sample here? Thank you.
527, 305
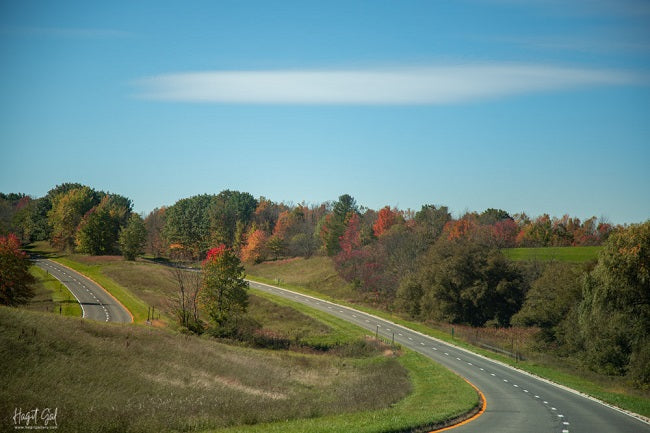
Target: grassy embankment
302, 275
560, 254
51, 295
347, 384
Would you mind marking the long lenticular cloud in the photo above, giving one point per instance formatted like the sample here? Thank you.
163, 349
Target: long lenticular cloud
396, 86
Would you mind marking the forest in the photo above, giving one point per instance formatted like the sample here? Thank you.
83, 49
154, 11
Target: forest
425, 264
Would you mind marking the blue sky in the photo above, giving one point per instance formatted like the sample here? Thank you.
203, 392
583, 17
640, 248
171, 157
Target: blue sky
534, 106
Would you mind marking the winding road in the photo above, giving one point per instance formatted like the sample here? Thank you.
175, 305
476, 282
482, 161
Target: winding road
516, 401
96, 303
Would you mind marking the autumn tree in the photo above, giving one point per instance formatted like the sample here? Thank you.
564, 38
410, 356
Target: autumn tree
430, 222
504, 233
224, 293
303, 236
266, 214
386, 218
351, 238
133, 237
461, 228
254, 249
284, 224
154, 224
15, 278
68, 209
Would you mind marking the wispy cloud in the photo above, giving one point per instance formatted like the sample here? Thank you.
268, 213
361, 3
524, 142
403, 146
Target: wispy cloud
395, 86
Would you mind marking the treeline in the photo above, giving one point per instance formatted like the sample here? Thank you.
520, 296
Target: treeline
75, 217
423, 263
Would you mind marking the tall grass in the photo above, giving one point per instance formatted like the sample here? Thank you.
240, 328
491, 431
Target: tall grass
111, 377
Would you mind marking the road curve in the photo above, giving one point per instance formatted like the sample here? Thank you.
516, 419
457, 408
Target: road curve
516, 401
96, 303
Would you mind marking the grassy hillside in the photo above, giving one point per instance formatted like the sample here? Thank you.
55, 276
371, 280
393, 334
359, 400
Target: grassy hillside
106, 377
610, 389
561, 254
316, 273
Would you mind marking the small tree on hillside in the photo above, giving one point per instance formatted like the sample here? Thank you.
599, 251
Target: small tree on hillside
224, 294
14, 272
133, 238
187, 298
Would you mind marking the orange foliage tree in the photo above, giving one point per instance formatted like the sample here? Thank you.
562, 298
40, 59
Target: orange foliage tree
254, 249
386, 218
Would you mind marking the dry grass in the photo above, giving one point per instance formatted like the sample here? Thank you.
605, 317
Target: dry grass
131, 378
316, 273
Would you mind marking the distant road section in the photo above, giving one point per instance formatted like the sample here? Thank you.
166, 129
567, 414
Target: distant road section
96, 303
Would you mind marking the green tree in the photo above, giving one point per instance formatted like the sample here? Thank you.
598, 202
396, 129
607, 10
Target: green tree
15, 278
335, 223
99, 229
68, 209
133, 237
224, 295
276, 246
187, 223
492, 216
228, 208
466, 282
430, 221
551, 299
409, 296
615, 311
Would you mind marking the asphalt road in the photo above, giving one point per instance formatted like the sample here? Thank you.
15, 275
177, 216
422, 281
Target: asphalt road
516, 401
95, 302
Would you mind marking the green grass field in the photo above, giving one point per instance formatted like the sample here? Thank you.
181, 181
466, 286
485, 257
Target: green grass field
561, 254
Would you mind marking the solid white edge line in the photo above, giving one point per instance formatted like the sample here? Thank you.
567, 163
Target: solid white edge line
83, 310
636, 416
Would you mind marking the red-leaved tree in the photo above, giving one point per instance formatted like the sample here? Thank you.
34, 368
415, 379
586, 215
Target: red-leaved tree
15, 278
386, 218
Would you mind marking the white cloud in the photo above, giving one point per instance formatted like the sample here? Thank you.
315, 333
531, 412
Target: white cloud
395, 86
